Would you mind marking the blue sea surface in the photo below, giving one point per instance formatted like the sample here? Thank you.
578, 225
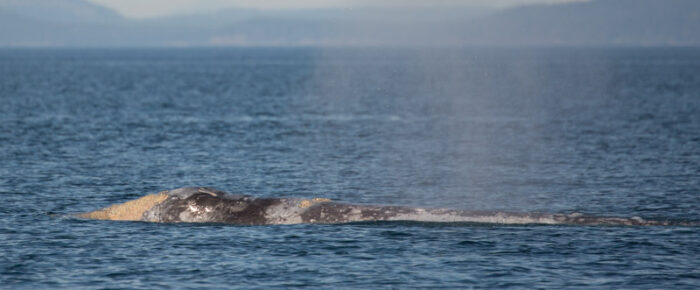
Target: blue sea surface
603, 131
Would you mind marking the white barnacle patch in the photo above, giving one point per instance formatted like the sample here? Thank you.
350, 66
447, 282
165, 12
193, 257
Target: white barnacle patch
185, 216
355, 214
194, 213
193, 208
286, 212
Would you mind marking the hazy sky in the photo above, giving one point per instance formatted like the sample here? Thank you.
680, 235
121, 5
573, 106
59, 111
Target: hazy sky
154, 8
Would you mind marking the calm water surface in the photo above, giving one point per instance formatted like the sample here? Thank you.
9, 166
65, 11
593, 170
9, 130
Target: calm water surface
600, 131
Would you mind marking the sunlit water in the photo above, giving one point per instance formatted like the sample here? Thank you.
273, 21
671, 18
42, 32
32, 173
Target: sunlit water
599, 131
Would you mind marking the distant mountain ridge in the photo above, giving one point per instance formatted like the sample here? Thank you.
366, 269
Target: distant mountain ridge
61, 11
601, 22
78, 23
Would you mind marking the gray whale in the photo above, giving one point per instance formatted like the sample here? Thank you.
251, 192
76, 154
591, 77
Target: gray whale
203, 204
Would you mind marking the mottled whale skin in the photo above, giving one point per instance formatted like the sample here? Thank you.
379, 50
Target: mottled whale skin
203, 204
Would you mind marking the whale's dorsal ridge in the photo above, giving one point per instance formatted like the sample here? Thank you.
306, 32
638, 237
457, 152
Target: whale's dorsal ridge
213, 191
186, 192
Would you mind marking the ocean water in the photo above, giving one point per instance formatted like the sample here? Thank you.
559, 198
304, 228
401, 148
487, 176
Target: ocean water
600, 131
